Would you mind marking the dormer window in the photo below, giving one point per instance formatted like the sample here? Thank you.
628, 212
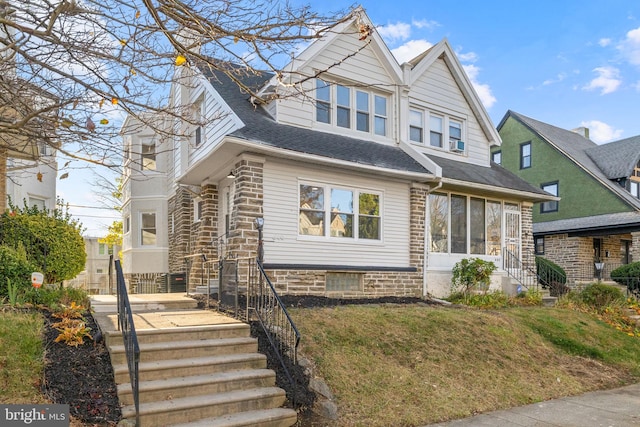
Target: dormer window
445, 132
348, 108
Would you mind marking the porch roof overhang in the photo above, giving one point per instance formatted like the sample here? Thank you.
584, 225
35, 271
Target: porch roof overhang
217, 164
597, 225
493, 191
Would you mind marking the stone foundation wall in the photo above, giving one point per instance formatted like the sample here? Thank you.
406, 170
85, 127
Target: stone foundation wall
374, 284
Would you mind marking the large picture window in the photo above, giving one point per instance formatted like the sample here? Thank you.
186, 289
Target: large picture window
352, 213
461, 224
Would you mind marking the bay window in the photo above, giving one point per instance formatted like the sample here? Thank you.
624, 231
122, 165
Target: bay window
352, 213
148, 228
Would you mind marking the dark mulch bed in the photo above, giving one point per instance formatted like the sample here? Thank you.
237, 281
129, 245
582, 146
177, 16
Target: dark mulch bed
81, 377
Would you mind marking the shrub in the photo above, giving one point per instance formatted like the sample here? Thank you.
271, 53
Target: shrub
550, 275
600, 296
54, 297
628, 275
15, 268
471, 273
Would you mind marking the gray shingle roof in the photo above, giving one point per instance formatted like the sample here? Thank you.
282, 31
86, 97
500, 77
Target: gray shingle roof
617, 159
262, 129
495, 175
575, 147
589, 223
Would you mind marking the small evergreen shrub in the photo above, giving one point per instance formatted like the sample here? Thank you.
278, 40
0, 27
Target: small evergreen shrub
15, 267
600, 296
628, 275
551, 276
471, 274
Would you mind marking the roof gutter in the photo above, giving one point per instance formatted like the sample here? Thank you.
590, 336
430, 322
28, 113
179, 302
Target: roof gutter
535, 197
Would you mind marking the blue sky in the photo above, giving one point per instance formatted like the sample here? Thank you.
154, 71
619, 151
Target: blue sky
565, 62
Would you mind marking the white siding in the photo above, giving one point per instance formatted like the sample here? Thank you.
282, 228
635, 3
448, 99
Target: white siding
283, 245
437, 91
365, 68
219, 117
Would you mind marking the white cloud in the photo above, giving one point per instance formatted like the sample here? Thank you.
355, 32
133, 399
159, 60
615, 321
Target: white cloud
604, 42
630, 46
608, 80
636, 86
483, 90
397, 31
410, 50
468, 57
423, 23
600, 132
560, 77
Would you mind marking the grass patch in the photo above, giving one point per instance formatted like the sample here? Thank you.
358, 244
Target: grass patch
21, 362
413, 365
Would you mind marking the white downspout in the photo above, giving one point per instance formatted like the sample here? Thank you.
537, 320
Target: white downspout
426, 238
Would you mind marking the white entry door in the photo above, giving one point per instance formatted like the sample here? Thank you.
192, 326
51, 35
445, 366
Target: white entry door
512, 234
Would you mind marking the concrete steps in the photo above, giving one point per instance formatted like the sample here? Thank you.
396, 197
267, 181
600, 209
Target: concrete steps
196, 367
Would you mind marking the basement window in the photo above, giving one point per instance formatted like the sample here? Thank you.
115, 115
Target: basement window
343, 282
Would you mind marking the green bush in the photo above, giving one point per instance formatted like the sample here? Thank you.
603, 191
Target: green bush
53, 297
551, 276
600, 296
15, 267
628, 275
52, 240
471, 274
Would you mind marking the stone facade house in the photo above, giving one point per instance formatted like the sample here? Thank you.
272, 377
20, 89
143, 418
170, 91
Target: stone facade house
371, 178
597, 221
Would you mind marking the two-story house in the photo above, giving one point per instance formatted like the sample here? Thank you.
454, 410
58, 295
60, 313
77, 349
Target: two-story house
370, 178
95, 278
595, 227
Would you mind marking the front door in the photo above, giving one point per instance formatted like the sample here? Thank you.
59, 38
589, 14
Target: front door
512, 234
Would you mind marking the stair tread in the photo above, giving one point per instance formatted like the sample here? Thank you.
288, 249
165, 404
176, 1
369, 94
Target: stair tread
191, 381
186, 403
186, 329
249, 418
194, 361
187, 344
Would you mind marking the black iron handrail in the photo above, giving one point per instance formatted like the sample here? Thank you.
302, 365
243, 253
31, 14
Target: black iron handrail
518, 270
126, 326
272, 315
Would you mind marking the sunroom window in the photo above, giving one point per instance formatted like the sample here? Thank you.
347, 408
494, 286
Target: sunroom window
462, 224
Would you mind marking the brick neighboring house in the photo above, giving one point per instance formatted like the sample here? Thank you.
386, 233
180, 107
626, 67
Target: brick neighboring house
373, 179
597, 219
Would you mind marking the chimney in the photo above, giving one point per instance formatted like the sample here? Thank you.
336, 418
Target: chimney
582, 131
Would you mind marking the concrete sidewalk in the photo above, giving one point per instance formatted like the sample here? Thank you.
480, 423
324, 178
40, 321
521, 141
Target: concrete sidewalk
610, 408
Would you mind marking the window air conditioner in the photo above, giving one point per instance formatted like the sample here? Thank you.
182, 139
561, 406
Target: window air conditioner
457, 146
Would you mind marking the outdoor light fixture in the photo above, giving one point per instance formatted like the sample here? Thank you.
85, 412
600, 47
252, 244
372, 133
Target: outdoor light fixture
231, 174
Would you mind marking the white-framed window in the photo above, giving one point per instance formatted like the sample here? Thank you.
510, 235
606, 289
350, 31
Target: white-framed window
339, 212
416, 127
198, 206
357, 109
496, 157
99, 271
445, 132
462, 224
102, 248
37, 202
127, 224
198, 116
148, 231
148, 157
